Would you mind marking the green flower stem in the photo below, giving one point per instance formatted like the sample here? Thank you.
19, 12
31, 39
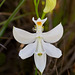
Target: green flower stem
10, 18
43, 15
36, 7
2, 3
36, 71
35, 2
38, 2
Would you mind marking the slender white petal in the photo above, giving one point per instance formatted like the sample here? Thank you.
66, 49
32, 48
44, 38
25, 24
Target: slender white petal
51, 50
44, 20
53, 35
39, 20
28, 51
40, 62
23, 36
39, 46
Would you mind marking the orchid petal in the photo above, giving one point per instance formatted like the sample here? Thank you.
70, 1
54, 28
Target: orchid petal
23, 36
53, 35
27, 51
51, 50
40, 62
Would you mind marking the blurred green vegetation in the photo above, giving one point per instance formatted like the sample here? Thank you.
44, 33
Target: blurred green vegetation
2, 58
19, 14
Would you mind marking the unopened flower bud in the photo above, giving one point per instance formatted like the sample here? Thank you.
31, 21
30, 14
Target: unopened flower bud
50, 5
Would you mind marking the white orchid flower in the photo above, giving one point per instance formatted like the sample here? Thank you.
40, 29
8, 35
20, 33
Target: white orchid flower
39, 43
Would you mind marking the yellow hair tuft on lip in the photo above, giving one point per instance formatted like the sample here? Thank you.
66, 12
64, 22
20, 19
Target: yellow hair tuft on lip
39, 23
39, 54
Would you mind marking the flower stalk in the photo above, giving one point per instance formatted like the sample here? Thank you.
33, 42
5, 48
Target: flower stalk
2, 30
2, 3
36, 3
43, 15
36, 71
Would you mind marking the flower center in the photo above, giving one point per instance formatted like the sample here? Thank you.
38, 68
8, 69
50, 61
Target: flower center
39, 23
39, 54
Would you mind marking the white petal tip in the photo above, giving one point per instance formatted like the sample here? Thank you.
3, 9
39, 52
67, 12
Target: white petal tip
14, 27
41, 71
60, 25
32, 18
45, 18
21, 55
59, 54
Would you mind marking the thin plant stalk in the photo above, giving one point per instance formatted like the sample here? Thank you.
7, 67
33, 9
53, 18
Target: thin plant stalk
36, 71
2, 3
43, 15
10, 18
17, 17
36, 3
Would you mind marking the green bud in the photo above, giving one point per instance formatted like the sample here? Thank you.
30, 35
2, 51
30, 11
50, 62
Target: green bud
50, 5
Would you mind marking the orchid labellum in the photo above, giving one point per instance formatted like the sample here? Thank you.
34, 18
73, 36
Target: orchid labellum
39, 43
